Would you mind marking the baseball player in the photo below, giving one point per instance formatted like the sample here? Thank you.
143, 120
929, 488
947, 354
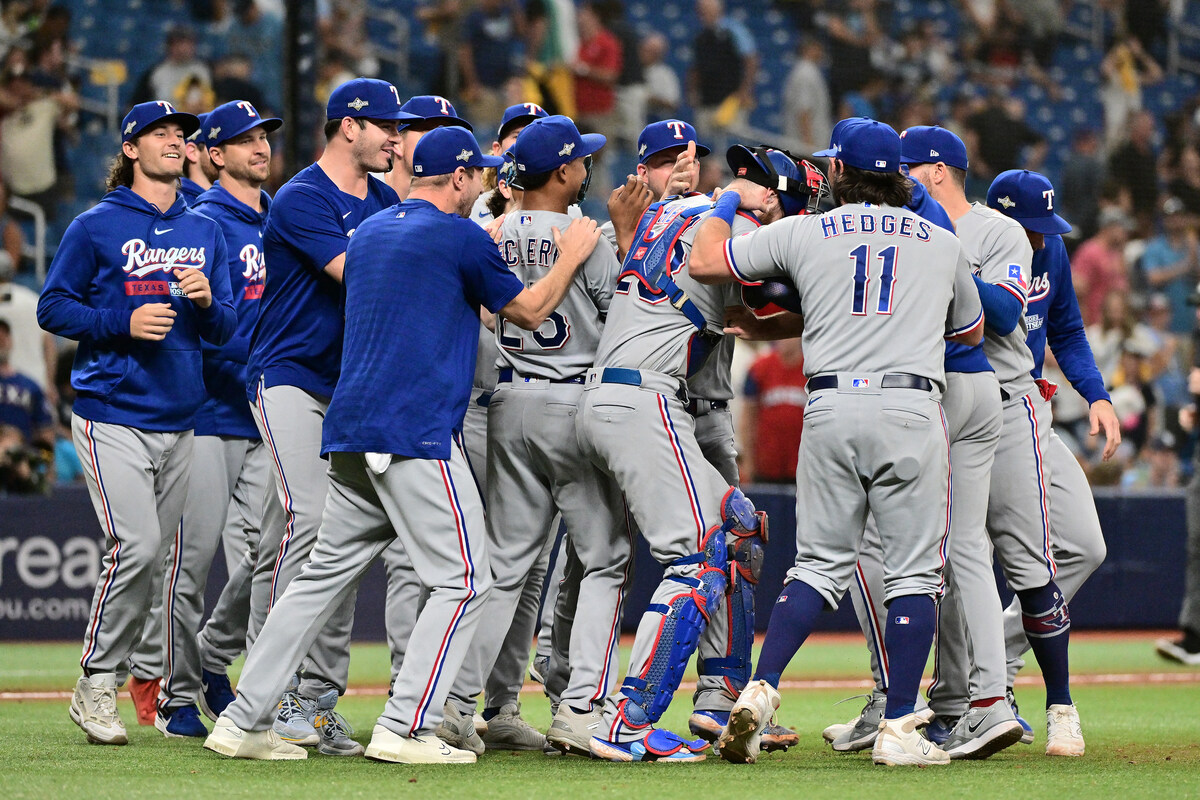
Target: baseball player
535, 466
199, 172
427, 111
138, 280
397, 468
513, 121
875, 438
1052, 318
661, 328
1018, 512
295, 360
229, 462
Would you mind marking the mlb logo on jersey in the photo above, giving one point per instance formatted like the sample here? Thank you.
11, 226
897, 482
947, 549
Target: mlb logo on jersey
860, 383
1014, 272
526, 219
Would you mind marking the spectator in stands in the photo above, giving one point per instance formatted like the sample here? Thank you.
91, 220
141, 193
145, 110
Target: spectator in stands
1185, 184
1133, 164
664, 92
1117, 328
1170, 381
597, 68
32, 350
1186, 647
807, 108
1083, 175
922, 61
27, 160
256, 35
1171, 263
489, 57
998, 138
232, 80
12, 241
551, 46
631, 82
1098, 266
67, 467
773, 414
1126, 69
179, 76
1040, 23
1146, 21
26, 426
721, 81
853, 31
1133, 397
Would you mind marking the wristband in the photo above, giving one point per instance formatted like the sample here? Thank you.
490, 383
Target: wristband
726, 207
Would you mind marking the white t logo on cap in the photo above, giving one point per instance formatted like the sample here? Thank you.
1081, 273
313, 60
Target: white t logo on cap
1049, 195
676, 126
533, 108
444, 103
244, 106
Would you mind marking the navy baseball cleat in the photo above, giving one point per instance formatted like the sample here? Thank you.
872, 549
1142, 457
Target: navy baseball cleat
1027, 736
215, 694
180, 722
939, 729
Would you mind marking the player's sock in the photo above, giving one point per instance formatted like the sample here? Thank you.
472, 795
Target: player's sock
1047, 622
792, 620
911, 622
985, 702
488, 713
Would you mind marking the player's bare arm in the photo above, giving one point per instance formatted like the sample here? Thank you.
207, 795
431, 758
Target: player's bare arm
152, 321
1103, 418
194, 285
742, 323
626, 205
969, 338
532, 306
707, 261
336, 266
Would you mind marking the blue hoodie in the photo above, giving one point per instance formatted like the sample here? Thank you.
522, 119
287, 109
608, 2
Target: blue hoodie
190, 190
113, 258
226, 412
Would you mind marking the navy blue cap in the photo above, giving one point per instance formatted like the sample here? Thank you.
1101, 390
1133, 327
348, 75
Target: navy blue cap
433, 108
198, 134
369, 98
1027, 197
548, 143
782, 174
665, 134
145, 116
835, 135
445, 149
521, 114
870, 145
929, 144
233, 119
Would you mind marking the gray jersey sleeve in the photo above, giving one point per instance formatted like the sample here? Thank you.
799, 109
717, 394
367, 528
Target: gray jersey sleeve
965, 311
767, 252
609, 232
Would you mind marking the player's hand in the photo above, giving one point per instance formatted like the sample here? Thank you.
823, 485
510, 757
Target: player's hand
741, 322
579, 240
493, 228
194, 284
683, 174
151, 321
627, 203
1187, 418
1102, 416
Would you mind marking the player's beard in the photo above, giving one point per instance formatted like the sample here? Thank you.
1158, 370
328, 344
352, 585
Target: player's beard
247, 173
835, 188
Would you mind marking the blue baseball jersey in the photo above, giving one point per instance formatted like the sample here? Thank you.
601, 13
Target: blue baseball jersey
119, 255
415, 279
23, 405
959, 357
1052, 317
226, 412
298, 340
190, 190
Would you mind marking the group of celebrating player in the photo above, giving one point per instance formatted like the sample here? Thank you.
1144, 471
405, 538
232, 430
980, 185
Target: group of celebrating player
360, 365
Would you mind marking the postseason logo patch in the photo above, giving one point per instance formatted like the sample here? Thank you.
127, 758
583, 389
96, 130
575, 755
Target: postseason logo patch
1014, 272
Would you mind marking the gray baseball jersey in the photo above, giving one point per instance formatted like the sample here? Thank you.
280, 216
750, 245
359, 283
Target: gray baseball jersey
999, 253
898, 273
565, 345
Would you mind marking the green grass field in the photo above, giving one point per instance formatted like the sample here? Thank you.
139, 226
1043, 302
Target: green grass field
1143, 736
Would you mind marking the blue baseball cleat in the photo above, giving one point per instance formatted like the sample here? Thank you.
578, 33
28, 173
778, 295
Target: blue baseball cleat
180, 722
215, 694
656, 746
1027, 736
938, 731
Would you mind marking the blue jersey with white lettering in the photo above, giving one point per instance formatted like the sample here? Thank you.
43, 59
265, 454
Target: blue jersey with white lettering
226, 412
404, 388
1052, 317
23, 405
298, 340
190, 190
119, 255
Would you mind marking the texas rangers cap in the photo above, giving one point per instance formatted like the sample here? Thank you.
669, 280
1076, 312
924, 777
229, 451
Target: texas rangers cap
929, 144
548, 143
145, 116
233, 119
835, 135
445, 149
1028, 198
198, 134
521, 114
369, 98
665, 134
870, 145
436, 109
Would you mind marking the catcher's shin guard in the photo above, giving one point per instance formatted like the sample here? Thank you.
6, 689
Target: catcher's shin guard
684, 619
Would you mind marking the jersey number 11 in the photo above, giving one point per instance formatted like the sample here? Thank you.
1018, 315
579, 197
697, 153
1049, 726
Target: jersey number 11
862, 279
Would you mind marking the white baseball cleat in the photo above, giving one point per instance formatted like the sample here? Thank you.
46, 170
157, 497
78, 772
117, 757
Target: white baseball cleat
899, 744
387, 745
752, 713
94, 709
1064, 735
229, 740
